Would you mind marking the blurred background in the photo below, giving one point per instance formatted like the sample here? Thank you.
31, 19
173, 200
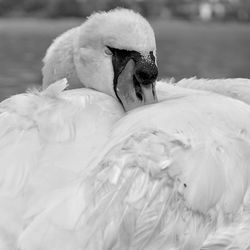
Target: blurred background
203, 38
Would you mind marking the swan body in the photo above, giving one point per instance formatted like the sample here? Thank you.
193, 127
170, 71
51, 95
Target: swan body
172, 175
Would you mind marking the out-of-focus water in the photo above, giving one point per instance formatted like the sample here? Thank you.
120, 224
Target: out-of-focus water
185, 49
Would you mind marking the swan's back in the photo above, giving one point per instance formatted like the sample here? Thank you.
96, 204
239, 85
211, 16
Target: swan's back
173, 176
237, 88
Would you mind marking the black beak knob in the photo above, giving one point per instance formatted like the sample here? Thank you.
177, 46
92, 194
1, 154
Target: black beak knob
146, 71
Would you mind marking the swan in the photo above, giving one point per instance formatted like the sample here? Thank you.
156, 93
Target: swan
173, 175
72, 54
142, 186
113, 52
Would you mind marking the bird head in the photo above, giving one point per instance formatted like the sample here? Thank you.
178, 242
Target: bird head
115, 53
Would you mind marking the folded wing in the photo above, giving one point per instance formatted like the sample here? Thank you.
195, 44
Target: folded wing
173, 175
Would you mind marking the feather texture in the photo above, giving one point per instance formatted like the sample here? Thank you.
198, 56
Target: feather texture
238, 88
174, 175
43, 147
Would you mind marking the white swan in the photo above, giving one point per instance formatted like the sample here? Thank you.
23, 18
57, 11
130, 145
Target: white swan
111, 52
146, 188
72, 55
174, 175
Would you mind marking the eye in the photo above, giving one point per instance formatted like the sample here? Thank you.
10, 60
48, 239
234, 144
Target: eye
108, 51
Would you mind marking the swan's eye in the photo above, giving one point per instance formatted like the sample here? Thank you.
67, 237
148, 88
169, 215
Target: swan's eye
108, 51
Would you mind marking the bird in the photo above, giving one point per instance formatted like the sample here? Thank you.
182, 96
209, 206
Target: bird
173, 175
73, 54
96, 168
115, 49
49, 136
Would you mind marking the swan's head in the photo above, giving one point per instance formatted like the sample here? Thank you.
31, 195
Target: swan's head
115, 53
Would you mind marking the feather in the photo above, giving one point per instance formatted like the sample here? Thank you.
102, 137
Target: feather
237, 88
55, 89
37, 128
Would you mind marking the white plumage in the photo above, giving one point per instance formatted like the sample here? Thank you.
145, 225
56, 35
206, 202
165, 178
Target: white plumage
46, 140
172, 175
76, 172
237, 88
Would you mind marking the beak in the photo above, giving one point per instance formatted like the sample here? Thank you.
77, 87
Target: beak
132, 92
134, 78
